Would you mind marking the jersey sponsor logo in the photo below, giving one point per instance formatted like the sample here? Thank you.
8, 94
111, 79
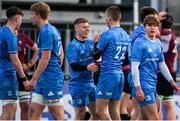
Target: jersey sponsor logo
60, 93
149, 50
50, 93
79, 101
152, 59
148, 97
9, 93
108, 93
99, 93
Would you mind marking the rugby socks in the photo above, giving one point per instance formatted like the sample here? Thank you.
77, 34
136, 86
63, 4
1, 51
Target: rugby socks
87, 115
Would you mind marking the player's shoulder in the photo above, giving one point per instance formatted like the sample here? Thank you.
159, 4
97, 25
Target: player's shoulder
126, 35
89, 41
47, 28
6, 30
158, 41
73, 43
140, 41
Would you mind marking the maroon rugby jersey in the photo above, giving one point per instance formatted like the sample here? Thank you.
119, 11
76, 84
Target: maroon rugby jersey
169, 44
24, 41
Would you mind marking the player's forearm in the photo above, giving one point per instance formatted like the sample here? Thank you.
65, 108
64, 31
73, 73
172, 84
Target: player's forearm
40, 68
34, 56
96, 52
165, 71
17, 65
135, 73
33, 60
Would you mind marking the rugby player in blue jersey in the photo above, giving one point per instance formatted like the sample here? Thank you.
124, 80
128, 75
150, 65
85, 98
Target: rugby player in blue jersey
138, 33
48, 78
112, 46
79, 55
10, 64
146, 58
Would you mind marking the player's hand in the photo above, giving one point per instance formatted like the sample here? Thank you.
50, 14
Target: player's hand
161, 15
92, 67
174, 85
139, 94
26, 85
32, 84
96, 38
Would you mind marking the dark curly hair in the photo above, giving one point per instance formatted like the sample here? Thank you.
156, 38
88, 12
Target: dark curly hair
167, 22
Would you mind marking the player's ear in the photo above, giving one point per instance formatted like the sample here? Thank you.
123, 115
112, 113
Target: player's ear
76, 27
109, 18
15, 19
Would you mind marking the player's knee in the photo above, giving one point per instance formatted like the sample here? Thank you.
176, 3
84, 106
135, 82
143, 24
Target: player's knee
99, 114
80, 114
168, 104
9, 107
56, 108
34, 112
9, 110
57, 114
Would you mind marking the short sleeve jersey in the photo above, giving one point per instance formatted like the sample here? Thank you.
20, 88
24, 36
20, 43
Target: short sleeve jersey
80, 52
50, 39
114, 44
149, 54
8, 45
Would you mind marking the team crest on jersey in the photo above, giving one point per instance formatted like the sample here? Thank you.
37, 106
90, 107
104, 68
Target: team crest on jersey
79, 101
148, 98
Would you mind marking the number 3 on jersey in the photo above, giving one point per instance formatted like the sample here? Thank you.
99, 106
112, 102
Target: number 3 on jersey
120, 52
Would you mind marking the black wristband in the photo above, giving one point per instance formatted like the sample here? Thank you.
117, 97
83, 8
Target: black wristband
23, 79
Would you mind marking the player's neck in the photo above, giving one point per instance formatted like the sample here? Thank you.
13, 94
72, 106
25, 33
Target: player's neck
11, 25
114, 24
80, 38
150, 38
42, 23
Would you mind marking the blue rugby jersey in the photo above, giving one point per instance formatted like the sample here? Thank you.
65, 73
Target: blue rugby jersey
114, 44
149, 54
80, 52
8, 45
50, 39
